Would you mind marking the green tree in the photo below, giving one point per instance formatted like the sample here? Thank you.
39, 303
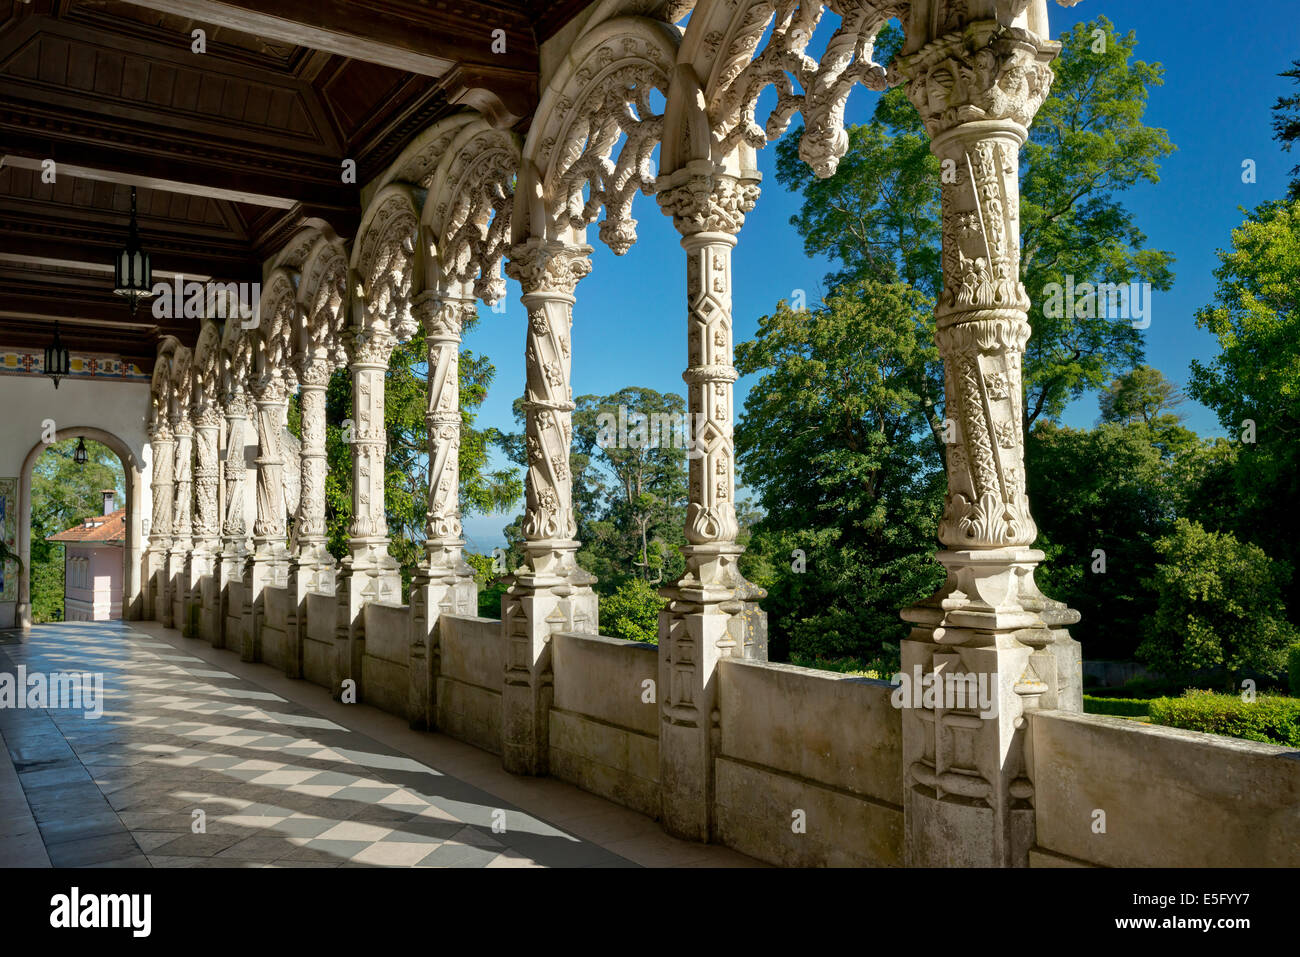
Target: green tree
63, 495
1142, 394
1220, 606
840, 440
878, 215
1253, 384
631, 611
1286, 126
1101, 497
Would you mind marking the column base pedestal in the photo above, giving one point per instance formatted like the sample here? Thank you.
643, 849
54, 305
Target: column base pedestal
984, 650
712, 613
550, 596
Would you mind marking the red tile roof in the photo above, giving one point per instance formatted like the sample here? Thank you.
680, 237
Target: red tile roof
101, 530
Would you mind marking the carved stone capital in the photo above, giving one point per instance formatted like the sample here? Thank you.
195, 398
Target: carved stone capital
702, 199
545, 266
444, 317
314, 371
372, 346
988, 72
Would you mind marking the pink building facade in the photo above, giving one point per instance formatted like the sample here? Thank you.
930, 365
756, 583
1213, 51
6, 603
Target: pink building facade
93, 565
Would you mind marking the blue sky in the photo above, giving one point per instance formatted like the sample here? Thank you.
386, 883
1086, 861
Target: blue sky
1221, 63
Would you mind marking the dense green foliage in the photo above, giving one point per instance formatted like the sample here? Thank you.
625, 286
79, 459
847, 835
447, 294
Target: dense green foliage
1293, 668
1219, 605
631, 612
1270, 718
1123, 707
1253, 384
63, 494
837, 447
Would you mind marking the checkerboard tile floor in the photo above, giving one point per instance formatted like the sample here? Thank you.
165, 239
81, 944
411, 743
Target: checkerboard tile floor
274, 784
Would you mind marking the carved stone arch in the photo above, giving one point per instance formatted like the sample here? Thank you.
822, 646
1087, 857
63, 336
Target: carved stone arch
467, 210
322, 303
600, 96
417, 164
274, 344
182, 382
206, 370
237, 350
383, 262
665, 11
722, 45
160, 386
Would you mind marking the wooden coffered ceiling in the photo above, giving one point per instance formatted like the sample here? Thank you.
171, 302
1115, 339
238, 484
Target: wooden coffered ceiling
231, 150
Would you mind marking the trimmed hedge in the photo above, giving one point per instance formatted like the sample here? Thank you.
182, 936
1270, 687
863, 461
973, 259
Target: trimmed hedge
1270, 718
1123, 707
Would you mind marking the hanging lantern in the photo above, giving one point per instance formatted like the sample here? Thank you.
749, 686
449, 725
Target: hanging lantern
57, 359
80, 455
132, 273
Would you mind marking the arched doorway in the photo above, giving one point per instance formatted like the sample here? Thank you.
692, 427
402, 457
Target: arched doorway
133, 468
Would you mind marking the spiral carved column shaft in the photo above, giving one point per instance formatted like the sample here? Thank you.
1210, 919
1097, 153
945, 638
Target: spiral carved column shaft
182, 510
968, 800
163, 445
309, 521
550, 592
444, 582
369, 573
234, 524
268, 562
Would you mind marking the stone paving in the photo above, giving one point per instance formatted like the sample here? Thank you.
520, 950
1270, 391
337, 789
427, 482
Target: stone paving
277, 784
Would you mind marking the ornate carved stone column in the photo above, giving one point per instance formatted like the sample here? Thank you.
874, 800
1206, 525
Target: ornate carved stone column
369, 573
550, 593
234, 524
162, 444
182, 505
268, 563
207, 520
444, 582
967, 800
311, 567
712, 610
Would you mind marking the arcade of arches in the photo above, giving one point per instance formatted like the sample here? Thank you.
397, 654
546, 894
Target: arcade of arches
701, 732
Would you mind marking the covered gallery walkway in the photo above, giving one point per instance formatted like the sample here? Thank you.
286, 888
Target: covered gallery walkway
284, 775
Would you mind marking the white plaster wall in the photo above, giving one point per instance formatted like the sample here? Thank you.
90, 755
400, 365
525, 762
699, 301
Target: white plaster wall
27, 401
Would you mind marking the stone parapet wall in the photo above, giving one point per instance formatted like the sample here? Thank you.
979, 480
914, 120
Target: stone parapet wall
385, 676
470, 680
604, 718
807, 769
1113, 792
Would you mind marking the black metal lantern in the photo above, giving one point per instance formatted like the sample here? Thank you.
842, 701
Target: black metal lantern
132, 273
80, 455
58, 361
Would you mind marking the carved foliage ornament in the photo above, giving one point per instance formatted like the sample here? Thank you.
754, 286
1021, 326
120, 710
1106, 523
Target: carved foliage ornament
709, 203
608, 99
985, 73
386, 264
473, 215
817, 89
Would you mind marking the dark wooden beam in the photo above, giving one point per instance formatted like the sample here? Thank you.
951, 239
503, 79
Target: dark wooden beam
405, 35
155, 160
